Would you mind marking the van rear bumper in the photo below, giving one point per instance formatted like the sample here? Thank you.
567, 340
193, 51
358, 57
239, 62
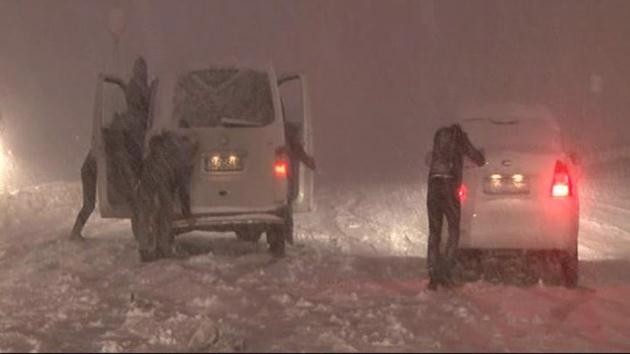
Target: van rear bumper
228, 221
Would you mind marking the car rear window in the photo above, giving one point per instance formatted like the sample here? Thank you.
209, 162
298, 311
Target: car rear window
521, 135
225, 96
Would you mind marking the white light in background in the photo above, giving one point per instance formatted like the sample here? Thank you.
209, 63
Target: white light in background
6, 169
4, 166
2, 161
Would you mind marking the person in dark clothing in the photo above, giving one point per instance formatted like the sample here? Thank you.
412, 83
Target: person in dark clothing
296, 154
166, 171
137, 94
123, 142
88, 179
450, 145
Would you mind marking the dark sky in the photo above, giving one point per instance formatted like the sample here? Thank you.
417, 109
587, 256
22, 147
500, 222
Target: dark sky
383, 73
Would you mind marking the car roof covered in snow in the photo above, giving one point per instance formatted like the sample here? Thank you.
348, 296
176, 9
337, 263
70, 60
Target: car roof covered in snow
512, 126
506, 112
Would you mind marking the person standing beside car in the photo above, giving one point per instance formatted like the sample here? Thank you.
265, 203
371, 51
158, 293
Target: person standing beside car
297, 154
450, 145
166, 174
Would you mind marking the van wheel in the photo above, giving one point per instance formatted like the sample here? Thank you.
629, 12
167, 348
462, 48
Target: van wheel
288, 225
276, 237
248, 235
569, 267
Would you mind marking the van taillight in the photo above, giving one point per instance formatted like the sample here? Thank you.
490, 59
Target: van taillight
281, 164
561, 186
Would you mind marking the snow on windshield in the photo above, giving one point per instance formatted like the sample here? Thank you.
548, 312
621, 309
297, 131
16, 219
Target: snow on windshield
208, 98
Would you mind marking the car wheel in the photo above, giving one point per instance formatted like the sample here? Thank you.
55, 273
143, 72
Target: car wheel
276, 237
248, 235
569, 267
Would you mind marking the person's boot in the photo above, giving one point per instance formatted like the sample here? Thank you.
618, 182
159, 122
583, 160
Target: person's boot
147, 256
435, 279
447, 278
448, 282
277, 250
75, 235
180, 252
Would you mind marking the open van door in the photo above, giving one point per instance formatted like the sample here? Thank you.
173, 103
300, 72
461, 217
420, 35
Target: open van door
110, 101
296, 111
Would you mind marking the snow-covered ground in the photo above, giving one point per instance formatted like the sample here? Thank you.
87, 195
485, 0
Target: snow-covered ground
354, 281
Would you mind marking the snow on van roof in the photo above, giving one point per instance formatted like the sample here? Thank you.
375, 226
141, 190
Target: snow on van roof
242, 64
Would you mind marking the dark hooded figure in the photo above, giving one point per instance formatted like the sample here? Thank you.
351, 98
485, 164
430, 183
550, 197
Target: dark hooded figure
166, 173
450, 145
296, 150
123, 144
296, 154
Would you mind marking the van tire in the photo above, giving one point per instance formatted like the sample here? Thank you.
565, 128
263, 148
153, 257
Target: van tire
288, 223
276, 238
569, 267
248, 235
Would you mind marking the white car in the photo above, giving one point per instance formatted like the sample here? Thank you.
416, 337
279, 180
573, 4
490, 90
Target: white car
526, 197
239, 115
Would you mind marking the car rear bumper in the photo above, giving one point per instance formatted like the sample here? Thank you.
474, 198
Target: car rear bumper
521, 226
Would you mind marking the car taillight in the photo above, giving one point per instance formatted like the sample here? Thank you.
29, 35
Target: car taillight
561, 186
462, 193
281, 164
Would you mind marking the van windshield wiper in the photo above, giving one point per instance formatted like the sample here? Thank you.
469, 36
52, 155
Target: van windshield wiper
238, 122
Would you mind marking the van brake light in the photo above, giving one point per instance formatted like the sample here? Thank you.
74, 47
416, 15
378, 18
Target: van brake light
561, 186
281, 164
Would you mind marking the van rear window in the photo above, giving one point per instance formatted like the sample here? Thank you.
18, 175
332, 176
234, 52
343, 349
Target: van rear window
225, 96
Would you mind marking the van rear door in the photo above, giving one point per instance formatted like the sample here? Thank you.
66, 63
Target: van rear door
296, 110
109, 101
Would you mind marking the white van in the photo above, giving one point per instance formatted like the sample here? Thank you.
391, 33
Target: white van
239, 115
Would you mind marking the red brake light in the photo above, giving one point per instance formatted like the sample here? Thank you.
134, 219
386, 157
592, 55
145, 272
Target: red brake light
280, 169
281, 165
561, 186
462, 193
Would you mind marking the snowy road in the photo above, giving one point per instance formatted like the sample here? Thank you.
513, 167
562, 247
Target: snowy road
353, 282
